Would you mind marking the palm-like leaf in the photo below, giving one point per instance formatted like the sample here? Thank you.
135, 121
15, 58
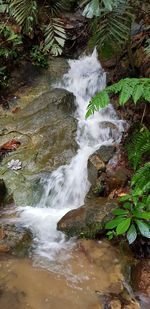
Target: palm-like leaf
25, 13
113, 27
54, 37
55, 7
94, 8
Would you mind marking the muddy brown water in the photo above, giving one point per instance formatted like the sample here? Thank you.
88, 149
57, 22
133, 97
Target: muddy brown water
92, 267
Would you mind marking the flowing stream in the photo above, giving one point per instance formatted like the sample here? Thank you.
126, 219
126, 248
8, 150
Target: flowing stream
66, 188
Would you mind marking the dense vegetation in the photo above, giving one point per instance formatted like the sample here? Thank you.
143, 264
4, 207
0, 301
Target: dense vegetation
33, 29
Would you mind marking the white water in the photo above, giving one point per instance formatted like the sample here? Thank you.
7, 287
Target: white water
67, 186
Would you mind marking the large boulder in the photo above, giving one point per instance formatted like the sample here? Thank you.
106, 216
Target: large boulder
47, 136
45, 128
87, 220
41, 122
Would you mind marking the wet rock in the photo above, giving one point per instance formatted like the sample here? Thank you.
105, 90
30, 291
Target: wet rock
46, 131
95, 167
111, 127
14, 240
117, 178
140, 276
121, 300
106, 152
87, 221
2, 192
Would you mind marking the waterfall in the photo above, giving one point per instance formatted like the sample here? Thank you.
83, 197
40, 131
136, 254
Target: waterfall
66, 188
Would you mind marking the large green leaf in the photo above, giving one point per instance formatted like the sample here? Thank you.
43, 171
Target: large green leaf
143, 228
123, 226
131, 234
120, 211
113, 223
142, 215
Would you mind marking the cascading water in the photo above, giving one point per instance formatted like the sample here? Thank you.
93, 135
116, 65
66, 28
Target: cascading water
66, 187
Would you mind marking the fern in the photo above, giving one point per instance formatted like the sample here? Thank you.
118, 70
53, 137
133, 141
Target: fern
55, 7
3, 6
54, 37
112, 23
94, 8
128, 88
25, 13
141, 179
138, 146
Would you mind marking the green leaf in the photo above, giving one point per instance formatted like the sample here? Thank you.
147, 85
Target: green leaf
126, 197
123, 226
131, 234
127, 205
120, 211
143, 215
110, 235
137, 93
113, 223
144, 228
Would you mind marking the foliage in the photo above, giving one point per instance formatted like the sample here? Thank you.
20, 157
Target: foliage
111, 22
54, 37
138, 146
10, 42
27, 14
3, 6
128, 88
38, 56
132, 219
141, 179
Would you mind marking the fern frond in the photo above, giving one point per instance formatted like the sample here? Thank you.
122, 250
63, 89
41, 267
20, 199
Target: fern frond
141, 179
54, 37
25, 13
3, 6
112, 23
128, 88
138, 146
56, 7
94, 8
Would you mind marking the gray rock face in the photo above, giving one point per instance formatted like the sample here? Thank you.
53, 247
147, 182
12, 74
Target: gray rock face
44, 125
106, 152
88, 219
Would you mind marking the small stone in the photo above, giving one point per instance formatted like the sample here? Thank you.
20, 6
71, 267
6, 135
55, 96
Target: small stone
132, 305
115, 304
